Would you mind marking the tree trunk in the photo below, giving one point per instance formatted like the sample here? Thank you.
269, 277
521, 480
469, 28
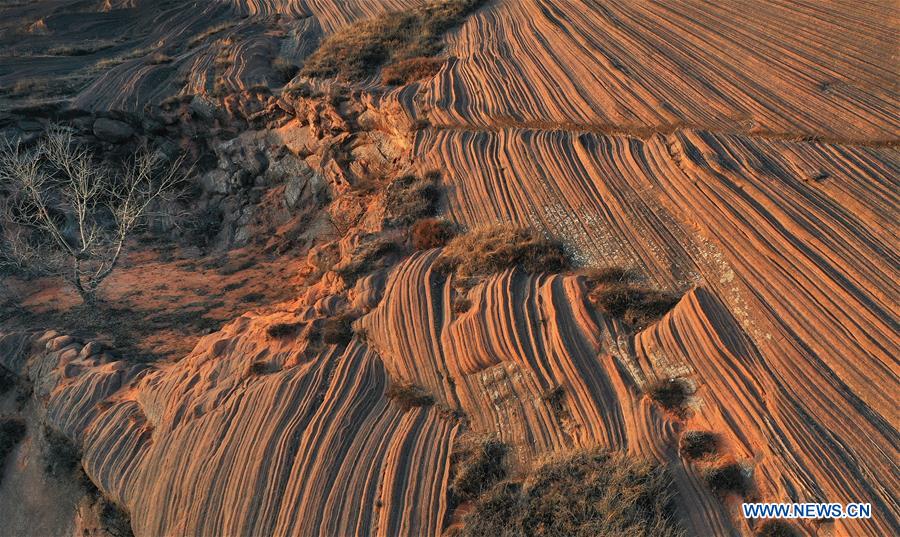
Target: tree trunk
88, 294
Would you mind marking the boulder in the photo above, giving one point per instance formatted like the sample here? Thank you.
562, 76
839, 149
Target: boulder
217, 181
202, 108
299, 139
111, 130
303, 187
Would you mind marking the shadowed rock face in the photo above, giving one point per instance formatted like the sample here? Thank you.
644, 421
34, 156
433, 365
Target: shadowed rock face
742, 155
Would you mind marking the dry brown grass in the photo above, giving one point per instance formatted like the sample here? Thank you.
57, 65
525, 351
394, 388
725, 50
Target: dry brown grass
260, 368
159, 58
477, 465
461, 304
588, 493
410, 70
82, 49
357, 51
493, 249
34, 89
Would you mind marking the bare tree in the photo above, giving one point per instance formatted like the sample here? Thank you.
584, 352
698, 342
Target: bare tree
66, 213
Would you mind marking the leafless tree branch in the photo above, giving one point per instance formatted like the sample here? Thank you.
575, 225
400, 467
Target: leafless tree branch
62, 202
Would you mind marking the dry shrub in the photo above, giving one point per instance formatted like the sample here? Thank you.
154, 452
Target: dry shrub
357, 51
776, 528
615, 292
671, 394
284, 330
260, 368
7, 381
727, 478
12, 431
461, 304
285, 69
114, 519
233, 266
698, 444
409, 396
490, 250
338, 330
252, 298
555, 397
431, 233
410, 198
82, 49
213, 30
61, 458
410, 70
586, 494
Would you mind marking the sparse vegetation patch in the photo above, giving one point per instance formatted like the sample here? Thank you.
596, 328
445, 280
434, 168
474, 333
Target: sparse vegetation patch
586, 494
357, 51
7, 381
82, 49
555, 397
211, 31
61, 457
261, 367
285, 69
115, 520
12, 431
490, 250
